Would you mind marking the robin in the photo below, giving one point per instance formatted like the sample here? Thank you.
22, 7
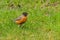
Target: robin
22, 19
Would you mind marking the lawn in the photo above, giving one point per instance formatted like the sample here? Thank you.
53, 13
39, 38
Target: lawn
43, 21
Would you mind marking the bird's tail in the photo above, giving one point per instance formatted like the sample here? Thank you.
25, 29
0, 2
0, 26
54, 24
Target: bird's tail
13, 20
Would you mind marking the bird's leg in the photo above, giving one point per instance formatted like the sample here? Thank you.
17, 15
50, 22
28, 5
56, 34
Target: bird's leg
22, 25
18, 25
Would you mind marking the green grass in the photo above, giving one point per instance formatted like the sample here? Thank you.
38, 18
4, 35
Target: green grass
43, 22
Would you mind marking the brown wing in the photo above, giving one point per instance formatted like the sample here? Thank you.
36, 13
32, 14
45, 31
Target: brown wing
19, 17
21, 20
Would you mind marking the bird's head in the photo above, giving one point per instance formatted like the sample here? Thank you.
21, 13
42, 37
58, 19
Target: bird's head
25, 13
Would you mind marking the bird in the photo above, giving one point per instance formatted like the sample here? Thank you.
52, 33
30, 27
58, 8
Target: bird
21, 19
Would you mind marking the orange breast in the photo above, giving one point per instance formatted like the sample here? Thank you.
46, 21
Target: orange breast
22, 20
